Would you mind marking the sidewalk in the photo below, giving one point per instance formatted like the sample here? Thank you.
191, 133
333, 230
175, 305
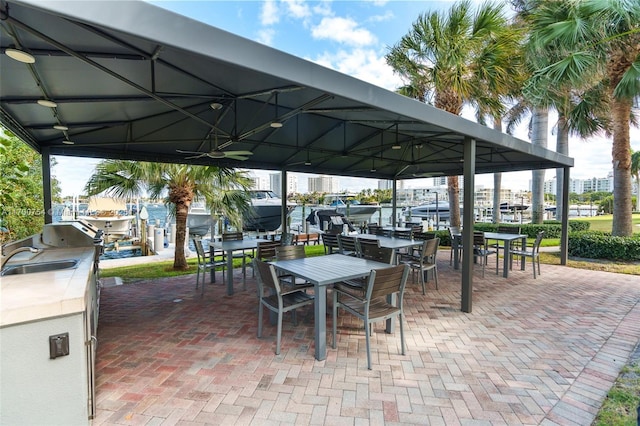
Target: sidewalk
163, 255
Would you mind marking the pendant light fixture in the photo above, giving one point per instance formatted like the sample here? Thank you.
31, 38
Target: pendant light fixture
19, 55
47, 103
276, 124
396, 145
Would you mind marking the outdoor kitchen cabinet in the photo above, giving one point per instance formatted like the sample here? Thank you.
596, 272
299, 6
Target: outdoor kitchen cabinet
38, 312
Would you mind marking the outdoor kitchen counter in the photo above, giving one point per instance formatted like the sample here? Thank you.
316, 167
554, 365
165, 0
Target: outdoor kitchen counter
40, 295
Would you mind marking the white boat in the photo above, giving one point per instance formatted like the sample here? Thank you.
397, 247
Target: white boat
347, 205
199, 219
110, 215
437, 212
265, 214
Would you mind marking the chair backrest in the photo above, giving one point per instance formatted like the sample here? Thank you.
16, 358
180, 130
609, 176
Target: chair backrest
508, 229
416, 228
373, 228
290, 252
330, 242
232, 236
430, 249
266, 276
536, 243
266, 250
200, 251
478, 239
347, 244
379, 254
365, 243
423, 235
381, 231
402, 234
387, 281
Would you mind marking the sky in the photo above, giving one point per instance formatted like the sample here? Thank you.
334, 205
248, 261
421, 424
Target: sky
351, 37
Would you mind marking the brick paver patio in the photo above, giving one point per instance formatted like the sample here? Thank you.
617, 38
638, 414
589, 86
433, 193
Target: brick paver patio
542, 351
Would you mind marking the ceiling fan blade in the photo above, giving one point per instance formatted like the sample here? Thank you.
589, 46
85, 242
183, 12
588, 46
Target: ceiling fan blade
188, 152
195, 156
237, 157
228, 153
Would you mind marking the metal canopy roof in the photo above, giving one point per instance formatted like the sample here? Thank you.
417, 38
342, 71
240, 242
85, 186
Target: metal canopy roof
134, 81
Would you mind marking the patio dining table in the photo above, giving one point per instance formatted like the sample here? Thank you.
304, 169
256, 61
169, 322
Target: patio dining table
322, 271
230, 247
505, 237
392, 242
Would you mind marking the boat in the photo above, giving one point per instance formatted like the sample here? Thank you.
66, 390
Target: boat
110, 215
330, 220
431, 211
350, 207
265, 214
199, 219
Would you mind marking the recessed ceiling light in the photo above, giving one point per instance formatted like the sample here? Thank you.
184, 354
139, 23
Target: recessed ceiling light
47, 103
20, 55
307, 163
396, 147
60, 127
276, 124
216, 105
67, 142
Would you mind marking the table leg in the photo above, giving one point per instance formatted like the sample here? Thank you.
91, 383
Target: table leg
213, 270
320, 321
229, 272
522, 258
391, 322
456, 253
505, 249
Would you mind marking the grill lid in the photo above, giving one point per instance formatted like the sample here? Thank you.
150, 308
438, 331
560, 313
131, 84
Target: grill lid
71, 234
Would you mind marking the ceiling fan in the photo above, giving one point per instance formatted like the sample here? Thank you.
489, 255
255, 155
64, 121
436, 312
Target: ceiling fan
217, 154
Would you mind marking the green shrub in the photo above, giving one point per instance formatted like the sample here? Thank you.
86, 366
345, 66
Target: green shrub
602, 245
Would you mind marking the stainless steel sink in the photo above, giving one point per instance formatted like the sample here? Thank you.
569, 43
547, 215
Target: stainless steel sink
31, 268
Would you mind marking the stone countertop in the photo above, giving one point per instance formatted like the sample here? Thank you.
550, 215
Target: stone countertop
40, 295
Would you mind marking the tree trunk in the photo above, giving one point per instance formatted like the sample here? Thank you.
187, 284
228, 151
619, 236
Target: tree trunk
179, 260
540, 124
562, 147
453, 189
621, 155
638, 194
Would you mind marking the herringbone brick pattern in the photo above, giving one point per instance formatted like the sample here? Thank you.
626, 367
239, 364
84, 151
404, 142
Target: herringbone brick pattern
541, 351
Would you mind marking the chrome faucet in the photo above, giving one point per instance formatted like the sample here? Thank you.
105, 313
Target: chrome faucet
16, 251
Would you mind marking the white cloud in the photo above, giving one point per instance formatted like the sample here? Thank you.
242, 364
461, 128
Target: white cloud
364, 64
265, 36
269, 14
297, 9
387, 16
343, 30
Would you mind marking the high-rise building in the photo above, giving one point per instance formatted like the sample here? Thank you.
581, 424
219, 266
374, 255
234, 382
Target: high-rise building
260, 182
580, 186
388, 184
276, 183
328, 184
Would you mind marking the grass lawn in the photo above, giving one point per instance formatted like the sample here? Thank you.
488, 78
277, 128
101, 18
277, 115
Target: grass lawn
604, 222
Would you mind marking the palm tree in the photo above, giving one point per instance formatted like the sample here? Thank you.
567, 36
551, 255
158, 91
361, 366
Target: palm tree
224, 190
452, 59
595, 43
635, 171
